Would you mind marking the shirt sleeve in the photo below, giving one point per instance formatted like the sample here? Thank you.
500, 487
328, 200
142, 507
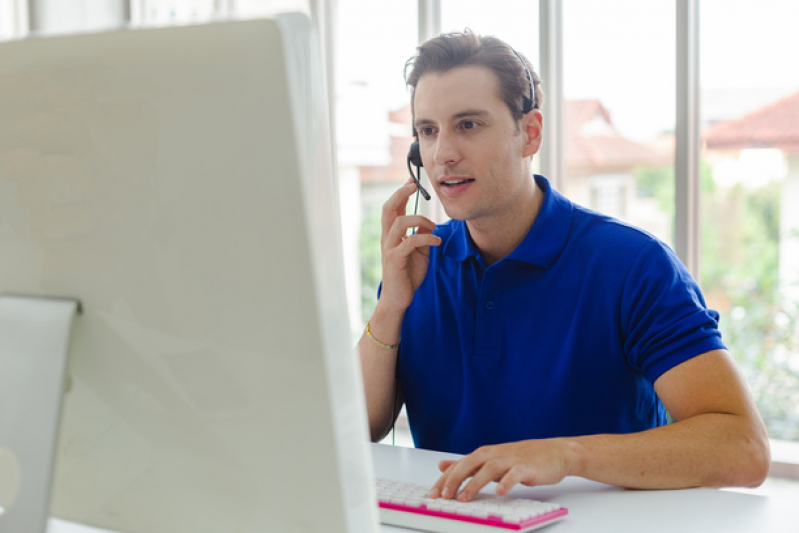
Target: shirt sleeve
664, 318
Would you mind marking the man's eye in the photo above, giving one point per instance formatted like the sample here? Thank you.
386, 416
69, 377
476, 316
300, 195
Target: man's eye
426, 132
469, 124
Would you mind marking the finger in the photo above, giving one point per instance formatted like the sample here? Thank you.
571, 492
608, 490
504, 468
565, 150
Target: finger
511, 478
395, 206
443, 466
492, 470
456, 474
428, 227
419, 242
399, 229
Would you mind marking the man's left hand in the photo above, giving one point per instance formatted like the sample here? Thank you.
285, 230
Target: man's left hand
530, 462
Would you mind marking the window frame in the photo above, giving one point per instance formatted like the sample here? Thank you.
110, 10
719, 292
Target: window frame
687, 153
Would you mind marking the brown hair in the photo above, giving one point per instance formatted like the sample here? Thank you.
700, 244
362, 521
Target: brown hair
453, 50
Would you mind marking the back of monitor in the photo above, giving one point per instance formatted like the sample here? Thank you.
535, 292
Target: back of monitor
178, 182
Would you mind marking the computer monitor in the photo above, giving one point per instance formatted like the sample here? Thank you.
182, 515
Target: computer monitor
178, 183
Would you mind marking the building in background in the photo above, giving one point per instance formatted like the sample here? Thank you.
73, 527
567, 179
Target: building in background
751, 251
755, 149
600, 168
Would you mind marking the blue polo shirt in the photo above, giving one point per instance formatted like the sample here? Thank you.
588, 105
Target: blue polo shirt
565, 336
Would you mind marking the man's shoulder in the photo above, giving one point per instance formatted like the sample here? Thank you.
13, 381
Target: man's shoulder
617, 245
565, 228
604, 230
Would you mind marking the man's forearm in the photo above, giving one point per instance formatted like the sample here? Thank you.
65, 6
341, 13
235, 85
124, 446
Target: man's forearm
378, 364
709, 450
719, 439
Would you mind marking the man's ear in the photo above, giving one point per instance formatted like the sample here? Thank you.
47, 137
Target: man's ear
533, 131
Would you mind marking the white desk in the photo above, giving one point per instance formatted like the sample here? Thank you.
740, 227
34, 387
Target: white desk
598, 508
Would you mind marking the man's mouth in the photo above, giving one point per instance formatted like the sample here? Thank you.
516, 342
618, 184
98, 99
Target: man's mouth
455, 182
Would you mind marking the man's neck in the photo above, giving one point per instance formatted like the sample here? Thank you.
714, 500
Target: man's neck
497, 237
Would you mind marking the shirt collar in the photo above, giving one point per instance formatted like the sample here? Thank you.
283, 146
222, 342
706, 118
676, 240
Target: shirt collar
459, 245
543, 243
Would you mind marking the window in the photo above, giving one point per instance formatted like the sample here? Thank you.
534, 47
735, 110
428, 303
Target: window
13, 19
619, 129
171, 11
514, 21
618, 79
373, 128
749, 247
608, 194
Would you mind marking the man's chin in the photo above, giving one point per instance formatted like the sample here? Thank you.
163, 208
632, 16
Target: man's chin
457, 212
454, 214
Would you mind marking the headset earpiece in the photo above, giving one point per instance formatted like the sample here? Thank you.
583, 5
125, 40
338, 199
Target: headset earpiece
414, 157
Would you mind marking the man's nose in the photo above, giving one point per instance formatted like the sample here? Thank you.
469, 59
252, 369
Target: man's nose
447, 152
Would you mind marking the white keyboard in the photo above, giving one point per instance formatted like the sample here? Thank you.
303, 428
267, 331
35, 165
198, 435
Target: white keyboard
407, 505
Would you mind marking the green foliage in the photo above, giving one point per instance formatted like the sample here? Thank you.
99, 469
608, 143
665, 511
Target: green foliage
739, 256
742, 262
371, 269
763, 340
656, 182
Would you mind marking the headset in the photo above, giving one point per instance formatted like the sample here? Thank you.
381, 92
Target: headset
528, 102
415, 158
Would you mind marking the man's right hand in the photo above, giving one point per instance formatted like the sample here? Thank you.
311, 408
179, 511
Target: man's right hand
404, 257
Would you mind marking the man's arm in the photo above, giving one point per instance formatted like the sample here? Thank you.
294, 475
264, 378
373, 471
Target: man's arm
718, 439
378, 366
404, 261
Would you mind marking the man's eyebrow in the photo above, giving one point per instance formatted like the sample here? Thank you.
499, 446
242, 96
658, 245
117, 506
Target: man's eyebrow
470, 113
457, 116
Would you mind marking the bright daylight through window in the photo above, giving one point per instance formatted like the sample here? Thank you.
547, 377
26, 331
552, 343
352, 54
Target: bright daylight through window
749, 193
618, 136
619, 126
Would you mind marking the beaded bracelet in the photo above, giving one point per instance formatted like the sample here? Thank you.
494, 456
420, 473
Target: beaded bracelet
381, 344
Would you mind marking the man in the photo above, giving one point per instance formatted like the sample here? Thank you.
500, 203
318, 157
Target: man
540, 338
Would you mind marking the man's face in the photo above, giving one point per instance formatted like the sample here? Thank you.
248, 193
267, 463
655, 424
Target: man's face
473, 150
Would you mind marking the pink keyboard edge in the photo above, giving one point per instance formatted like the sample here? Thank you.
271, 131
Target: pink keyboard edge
490, 521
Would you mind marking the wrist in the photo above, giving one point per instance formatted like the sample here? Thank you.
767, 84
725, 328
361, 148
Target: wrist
391, 304
375, 340
384, 327
573, 457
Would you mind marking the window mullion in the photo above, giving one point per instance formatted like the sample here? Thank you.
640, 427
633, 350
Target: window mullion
687, 137
429, 27
429, 19
550, 30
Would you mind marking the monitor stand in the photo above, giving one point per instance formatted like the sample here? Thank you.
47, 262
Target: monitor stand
34, 343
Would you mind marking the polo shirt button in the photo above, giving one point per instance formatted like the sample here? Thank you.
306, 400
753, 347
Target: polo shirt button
490, 305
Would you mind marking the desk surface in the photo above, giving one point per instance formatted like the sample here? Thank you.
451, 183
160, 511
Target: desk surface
599, 508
